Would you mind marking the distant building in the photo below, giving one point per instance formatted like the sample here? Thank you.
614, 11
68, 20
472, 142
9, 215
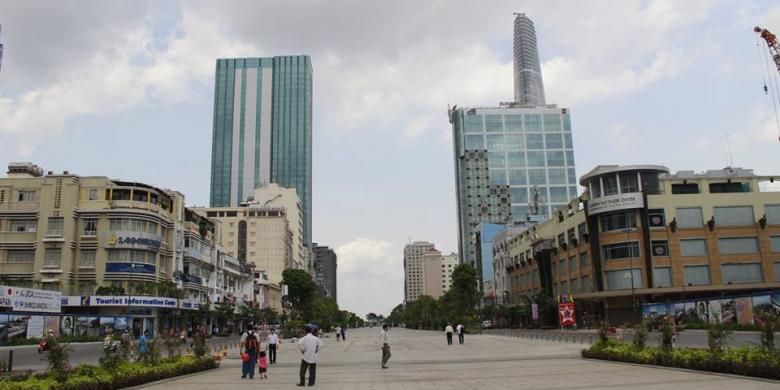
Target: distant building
325, 263
413, 268
262, 130
437, 273
529, 87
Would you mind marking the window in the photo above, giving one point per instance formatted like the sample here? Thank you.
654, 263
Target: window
496, 160
610, 185
54, 226
473, 123
623, 250
494, 123
93, 194
513, 122
741, 273
662, 276
584, 260
538, 177
696, 274
734, 216
689, 217
582, 230
555, 159
586, 284
693, 247
772, 212
497, 177
655, 218
90, 227
558, 194
552, 122
52, 258
86, 288
737, 245
557, 175
628, 183
720, 188
622, 279
617, 221
573, 263
553, 141
660, 248
514, 142
27, 196
533, 122
517, 177
475, 142
21, 256
87, 259
685, 188
534, 141
23, 225
515, 159
775, 243
495, 142
535, 159
518, 194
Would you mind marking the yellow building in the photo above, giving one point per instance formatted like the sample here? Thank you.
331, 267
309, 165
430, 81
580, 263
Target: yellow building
640, 235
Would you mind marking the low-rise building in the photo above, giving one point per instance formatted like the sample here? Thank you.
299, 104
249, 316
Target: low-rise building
640, 235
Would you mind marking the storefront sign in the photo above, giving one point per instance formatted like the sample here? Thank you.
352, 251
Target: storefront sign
101, 300
137, 241
30, 300
566, 314
137, 268
632, 200
188, 304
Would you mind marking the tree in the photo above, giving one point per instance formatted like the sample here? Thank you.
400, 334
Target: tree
300, 290
325, 312
463, 297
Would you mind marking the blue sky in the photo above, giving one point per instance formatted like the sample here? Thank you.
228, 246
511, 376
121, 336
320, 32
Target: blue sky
125, 88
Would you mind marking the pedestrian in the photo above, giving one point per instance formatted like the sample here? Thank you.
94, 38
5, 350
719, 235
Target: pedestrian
344, 333
272, 340
461, 332
338, 333
309, 346
262, 363
384, 344
242, 340
251, 347
448, 330
143, 344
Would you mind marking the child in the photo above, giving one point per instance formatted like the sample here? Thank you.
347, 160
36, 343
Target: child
262, 362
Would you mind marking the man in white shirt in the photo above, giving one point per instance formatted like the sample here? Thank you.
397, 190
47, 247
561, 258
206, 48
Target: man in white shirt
448, 330
338, 333
242, 342
384, 343
309, 346
461, 332
273, 341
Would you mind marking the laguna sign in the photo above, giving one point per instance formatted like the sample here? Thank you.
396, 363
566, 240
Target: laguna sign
30, 300
604, 204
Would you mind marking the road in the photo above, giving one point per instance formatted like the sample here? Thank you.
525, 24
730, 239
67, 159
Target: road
27, 357
421, 360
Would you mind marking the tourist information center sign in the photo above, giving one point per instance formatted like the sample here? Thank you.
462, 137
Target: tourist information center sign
30, 300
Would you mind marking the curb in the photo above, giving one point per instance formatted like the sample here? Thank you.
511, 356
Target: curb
687, 370
35, 346
171, 379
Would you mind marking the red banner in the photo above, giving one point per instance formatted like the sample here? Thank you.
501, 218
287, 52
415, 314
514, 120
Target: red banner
566, 314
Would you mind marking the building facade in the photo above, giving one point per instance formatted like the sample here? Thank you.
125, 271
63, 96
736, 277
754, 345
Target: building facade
512, 164
262, 130
529, 87
325, 263
437, 273
413, 268
274, 195
641, 235
502, 262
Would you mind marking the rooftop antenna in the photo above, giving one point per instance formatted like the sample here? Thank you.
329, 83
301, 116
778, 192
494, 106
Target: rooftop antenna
728, 149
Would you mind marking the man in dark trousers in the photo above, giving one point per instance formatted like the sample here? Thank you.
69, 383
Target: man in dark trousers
384, 343
461, 330
272, 341
309, 346
448, 330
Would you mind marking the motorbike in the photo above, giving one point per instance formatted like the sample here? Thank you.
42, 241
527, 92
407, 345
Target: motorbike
42, 347
110, 346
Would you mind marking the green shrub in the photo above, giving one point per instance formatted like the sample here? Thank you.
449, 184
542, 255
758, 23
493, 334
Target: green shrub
717, 336
640, 336
667, 334
769, 323
603, 333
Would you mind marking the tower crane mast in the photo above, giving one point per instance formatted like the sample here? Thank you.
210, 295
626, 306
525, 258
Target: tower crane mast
771, 41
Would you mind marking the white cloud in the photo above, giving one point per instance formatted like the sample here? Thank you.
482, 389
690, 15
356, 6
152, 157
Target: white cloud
370, 276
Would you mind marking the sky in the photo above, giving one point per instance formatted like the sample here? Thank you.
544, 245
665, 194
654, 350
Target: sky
125, 89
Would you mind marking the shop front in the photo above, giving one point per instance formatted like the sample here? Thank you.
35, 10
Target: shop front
96, 315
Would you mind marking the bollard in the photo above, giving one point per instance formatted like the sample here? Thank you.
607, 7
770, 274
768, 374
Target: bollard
10, 360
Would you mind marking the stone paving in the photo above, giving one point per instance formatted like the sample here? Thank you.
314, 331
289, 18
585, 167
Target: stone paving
423, 360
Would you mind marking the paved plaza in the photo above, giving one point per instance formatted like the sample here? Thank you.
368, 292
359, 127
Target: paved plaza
422, 360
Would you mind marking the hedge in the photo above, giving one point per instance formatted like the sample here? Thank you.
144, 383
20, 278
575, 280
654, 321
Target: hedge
748, 361
126, 374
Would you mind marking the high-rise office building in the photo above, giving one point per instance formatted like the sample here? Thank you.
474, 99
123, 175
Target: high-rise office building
325, 263
413, 268
529, 88
262, 129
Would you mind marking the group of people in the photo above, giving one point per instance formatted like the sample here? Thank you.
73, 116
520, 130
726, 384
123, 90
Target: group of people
460, 329
253, 352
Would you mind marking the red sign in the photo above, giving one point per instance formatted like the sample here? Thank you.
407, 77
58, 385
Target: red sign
566, 314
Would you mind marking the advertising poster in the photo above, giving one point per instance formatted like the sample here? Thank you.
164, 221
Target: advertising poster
703, 311
12, 327
566, 314
728, 311
744, 310
35, 327
52, 323
761, 304
67, 325
715, 312
679, 312
690, 312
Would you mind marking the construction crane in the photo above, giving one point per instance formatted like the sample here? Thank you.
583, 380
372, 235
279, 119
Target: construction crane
774, 52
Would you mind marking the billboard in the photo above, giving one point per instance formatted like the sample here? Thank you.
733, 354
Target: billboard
30, 300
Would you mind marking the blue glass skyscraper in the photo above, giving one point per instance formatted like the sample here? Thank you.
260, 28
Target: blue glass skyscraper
262, 129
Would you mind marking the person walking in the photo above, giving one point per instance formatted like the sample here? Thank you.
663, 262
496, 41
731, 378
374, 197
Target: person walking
338, 333
309, 346
461, 332
143, 344
344, 333
272, 340
384, 343
251, 347
262, 364
448, 330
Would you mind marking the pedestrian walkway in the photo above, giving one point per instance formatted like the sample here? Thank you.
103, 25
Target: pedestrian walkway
422, 360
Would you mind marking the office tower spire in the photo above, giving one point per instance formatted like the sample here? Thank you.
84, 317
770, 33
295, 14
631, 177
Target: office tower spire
529, 88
